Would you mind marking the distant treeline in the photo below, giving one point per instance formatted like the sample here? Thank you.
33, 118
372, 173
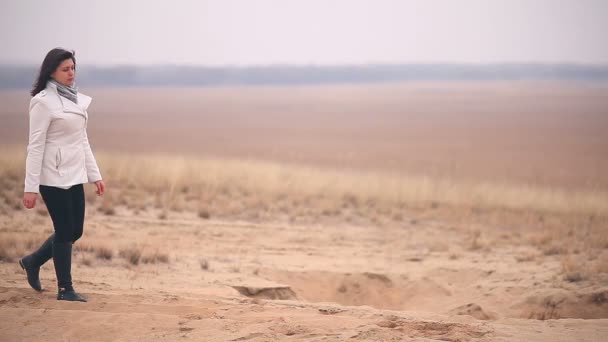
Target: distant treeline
14, 76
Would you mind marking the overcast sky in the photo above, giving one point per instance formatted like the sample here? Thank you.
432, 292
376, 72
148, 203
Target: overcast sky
254, 32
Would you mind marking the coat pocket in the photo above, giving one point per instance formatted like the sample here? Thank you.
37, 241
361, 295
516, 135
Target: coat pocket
70, 160
51, 159
58, 159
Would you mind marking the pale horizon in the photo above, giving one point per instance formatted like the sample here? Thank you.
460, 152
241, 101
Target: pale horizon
258, 33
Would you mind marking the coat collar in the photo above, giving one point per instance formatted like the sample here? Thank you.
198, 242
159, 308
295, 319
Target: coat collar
70, 107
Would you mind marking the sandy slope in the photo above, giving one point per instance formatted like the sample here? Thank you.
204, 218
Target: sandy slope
420, 282
149, 316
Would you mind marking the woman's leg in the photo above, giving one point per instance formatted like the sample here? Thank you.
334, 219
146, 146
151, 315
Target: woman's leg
59, 204
32, 263
61, 209
78, 202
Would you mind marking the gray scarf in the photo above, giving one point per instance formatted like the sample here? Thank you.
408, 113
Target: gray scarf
70, 93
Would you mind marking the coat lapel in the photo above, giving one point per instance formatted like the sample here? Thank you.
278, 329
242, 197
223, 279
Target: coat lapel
73, 108
84, 101
70, 107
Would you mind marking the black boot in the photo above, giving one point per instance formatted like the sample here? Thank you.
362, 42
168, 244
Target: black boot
62, 257
70, 295
32, 263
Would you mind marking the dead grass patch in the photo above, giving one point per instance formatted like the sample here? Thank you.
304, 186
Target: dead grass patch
132, 254
104, 253
14, 245
573, 270
155, 257
554, 249
108, 205
204, 263
475, 240
137, 254
84, 246
203, 213
86, 261
526, 257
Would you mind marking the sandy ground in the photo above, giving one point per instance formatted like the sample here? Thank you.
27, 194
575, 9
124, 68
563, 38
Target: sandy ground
236, 281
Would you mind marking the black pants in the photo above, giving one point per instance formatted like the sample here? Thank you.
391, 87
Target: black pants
66, 207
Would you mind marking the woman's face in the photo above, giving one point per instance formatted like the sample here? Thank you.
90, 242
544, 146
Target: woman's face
65, 73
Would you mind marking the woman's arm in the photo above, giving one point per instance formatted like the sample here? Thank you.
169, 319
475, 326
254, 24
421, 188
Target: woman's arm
40, 119
93, 174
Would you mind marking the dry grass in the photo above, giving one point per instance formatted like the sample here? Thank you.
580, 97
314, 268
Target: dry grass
14, 245
6, 254
97, 249
136, 254
86, 261
204, 213
132, 254
108, 205
155, 257
324, 189
555, 249
474, 240
259, 190
573, 270
85, 246
526, 257
104, 253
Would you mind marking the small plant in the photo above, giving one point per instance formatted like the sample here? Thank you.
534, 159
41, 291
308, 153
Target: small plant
8, 249
87, 261
204, 264
397, 216
526, 257
204, 213
5, 256
475, 244
107, 206
454, 256
41, 210
572, 271
109, 211
155, 257
104, 253
83, 246
554, 250
131, 254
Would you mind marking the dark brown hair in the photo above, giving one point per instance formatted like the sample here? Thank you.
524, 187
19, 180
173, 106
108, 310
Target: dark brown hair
51, 62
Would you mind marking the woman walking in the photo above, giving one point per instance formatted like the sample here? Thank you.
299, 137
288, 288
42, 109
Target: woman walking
59, 160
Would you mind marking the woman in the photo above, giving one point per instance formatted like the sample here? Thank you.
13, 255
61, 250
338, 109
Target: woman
59, 160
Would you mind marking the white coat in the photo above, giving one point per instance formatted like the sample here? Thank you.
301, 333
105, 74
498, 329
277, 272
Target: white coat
58, 152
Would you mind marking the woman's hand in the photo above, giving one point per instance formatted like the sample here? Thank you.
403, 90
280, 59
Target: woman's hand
29, 199
101, 187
